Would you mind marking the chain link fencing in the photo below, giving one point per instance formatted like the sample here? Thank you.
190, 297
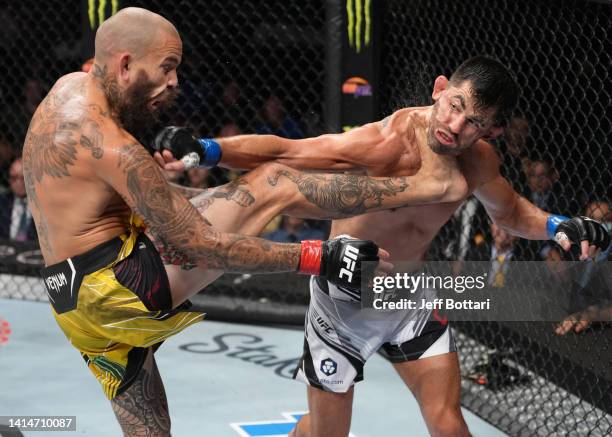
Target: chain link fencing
521, 376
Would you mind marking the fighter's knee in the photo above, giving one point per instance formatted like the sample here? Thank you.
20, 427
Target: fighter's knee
448, 424
273, 171
276, 176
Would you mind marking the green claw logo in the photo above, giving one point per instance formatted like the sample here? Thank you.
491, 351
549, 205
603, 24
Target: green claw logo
101, 10
357, 13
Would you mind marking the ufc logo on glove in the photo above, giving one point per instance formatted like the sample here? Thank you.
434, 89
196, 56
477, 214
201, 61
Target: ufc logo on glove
350, 257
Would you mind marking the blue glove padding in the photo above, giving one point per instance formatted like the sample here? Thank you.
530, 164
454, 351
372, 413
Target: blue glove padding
212, 152
552, 223
185, 147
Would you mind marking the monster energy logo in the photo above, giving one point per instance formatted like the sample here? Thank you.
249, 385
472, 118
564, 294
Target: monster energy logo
357, 13
101, 10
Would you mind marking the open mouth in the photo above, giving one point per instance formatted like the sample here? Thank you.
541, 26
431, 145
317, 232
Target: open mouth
445, 139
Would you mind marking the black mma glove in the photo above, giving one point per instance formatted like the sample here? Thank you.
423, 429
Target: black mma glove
194, 152
339, 260
579, 229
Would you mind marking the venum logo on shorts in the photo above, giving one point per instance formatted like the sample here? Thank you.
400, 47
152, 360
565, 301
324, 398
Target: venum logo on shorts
350, 256
55, 282
329, 366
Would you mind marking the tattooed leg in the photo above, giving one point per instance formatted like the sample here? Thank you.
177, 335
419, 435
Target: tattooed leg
244, 206
142, 410
247, 204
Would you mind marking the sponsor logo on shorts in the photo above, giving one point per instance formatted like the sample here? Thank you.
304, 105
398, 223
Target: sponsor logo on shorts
330, 382
350, 256
329, 366
324, 325
357, 86
55, 282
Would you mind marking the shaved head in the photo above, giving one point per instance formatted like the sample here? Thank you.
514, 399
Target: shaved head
135, 64
133, 30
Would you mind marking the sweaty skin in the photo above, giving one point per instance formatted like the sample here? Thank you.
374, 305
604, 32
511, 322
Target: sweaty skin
398, 146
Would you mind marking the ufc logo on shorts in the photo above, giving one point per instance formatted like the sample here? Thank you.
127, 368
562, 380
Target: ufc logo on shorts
350, 256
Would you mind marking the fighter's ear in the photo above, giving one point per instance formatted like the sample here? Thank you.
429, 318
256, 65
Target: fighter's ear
440, 85
494, 132
125, 60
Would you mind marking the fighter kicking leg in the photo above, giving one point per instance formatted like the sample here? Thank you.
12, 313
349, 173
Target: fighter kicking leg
247, 204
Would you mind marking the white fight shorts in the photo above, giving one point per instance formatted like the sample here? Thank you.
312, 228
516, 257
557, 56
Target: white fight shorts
340, 336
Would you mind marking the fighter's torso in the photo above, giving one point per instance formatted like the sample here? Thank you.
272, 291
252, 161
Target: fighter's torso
73, 209
407, 232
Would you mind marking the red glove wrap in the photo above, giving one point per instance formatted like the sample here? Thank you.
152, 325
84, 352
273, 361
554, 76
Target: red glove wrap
310, 257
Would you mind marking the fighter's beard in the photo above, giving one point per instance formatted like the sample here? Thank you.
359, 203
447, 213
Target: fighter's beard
433, 143
132, 109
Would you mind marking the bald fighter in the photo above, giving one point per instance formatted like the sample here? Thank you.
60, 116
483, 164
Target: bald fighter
92, 188
447, 138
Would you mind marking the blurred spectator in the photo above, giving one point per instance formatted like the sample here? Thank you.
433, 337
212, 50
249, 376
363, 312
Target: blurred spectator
231, 95
32, 94
501, 250
229, 130
198, 178
293, 230
15, 217
6, 158
598, 210
276, 122
515, 162
228, 107
552, 255
543, 189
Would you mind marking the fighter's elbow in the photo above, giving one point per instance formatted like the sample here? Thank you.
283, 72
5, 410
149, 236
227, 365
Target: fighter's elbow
450, 191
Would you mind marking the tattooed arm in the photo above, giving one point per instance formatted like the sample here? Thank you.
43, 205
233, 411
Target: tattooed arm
330, 196
130, 170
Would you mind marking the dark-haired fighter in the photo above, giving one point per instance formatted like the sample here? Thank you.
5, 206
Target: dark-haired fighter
91, 185
447, 138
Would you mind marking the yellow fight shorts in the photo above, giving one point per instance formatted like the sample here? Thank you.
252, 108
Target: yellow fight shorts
113, 303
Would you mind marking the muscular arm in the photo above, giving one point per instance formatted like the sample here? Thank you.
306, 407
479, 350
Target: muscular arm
330, 196
511, 211
506, 207
362, 147
129, 169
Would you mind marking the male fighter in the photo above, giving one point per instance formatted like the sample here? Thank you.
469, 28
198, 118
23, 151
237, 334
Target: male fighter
450, 137
91, 185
